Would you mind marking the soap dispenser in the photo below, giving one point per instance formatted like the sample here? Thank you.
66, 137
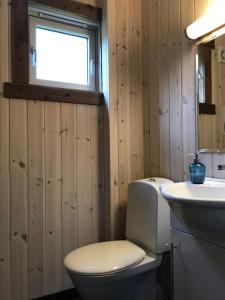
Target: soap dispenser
197, 171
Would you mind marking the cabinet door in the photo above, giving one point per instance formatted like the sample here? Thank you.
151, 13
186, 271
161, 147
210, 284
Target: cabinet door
199, 268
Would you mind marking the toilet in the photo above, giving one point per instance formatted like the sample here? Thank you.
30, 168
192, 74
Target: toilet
126, 269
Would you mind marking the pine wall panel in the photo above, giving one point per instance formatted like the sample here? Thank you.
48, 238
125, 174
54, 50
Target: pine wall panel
51, 169
51, 155
5, 219
151, 102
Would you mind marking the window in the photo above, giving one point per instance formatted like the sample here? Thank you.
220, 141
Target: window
46, 38
62, 54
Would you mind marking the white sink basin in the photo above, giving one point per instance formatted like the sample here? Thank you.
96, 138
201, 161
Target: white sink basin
211, 193
198, 209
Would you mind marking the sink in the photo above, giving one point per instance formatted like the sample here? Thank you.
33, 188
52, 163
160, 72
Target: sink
211, 193
198, 209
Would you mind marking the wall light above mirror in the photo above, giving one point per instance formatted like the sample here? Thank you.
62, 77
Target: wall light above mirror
212, 20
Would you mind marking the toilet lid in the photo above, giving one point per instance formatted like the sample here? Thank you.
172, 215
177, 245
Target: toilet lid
105, 257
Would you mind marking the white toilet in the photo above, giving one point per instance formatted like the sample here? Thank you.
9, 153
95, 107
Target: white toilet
126, 269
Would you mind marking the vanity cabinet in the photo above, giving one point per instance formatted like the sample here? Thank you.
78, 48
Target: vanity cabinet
198, 268
198, 239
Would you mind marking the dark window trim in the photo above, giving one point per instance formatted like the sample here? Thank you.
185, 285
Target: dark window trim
84, 10
19, 41
207, 108
43, 93
20, 54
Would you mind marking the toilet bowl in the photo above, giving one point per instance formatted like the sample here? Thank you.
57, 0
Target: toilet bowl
126, 269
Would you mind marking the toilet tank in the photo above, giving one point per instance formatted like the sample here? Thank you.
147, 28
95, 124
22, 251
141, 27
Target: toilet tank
148, 215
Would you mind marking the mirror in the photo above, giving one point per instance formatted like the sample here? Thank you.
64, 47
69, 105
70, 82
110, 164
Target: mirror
210, 88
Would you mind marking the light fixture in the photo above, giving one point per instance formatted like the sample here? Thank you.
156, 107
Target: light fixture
213, 19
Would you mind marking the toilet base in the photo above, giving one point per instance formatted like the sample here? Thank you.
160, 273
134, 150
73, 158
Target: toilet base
138, 287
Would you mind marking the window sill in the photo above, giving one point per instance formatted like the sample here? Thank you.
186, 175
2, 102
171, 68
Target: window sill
207, 109
43, 93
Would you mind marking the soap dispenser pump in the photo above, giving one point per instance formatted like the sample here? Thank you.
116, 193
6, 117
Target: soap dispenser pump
197, 171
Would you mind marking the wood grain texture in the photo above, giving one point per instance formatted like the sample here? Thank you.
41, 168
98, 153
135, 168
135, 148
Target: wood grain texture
124, 108
36, 194
105, 118
145, 87
84, 204
69, 183
53, 179
164, 90
136, 104
167, 108
97, 200
38, 221
154, 84
19, 199
188, 86
82, 8
5, 265
72, 142
111, 116
176, 150
5, 201
20, 42
43, 93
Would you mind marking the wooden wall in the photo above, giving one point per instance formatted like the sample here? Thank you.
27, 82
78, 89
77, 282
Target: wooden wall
50, 186
50, 153
152, 110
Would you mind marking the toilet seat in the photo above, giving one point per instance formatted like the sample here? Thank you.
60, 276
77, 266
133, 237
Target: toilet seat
104, 258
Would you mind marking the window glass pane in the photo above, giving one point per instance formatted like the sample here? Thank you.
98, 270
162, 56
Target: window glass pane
61, 57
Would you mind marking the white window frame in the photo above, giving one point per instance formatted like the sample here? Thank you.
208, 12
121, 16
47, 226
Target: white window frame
61, 26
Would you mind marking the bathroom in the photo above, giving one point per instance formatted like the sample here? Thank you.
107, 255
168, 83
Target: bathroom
67, 156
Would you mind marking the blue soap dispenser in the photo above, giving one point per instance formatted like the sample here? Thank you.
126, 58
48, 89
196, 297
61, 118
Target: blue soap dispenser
197, 171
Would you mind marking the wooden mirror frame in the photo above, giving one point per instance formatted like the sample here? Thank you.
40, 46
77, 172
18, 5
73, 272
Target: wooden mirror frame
207, 107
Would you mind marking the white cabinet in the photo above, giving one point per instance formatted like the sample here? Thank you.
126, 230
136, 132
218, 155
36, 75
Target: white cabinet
198, 268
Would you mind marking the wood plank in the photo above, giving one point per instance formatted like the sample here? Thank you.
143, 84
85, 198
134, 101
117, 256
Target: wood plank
105, 116
111, 118
36, 161
136, 104
53, 238
199, 8
69, 183
154, 88
20, 43
97, 201
5, 201
124, 133
44, 93
83, 175
164, 90
19, 199
187, 88
4, 157
145, 63
82, 9
175, 91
